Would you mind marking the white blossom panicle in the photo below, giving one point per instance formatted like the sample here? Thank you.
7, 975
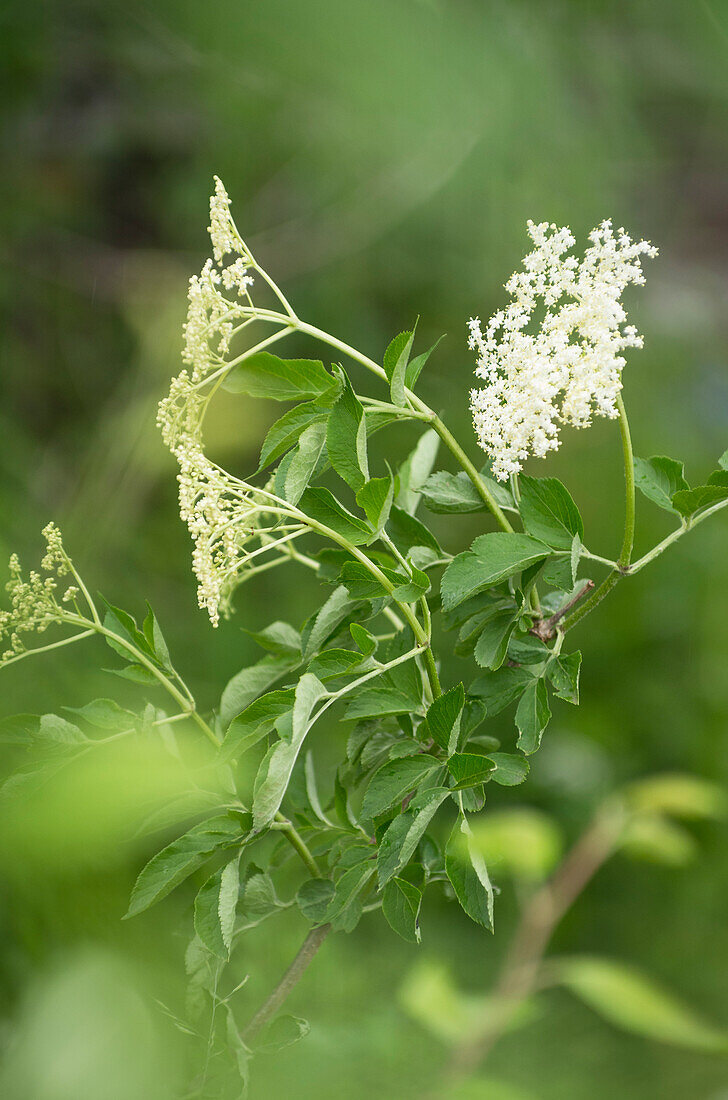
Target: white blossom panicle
564, 365
34, 602
229, 521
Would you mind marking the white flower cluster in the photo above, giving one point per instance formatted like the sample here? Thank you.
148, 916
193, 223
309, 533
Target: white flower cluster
224, 515
33, 599
566, 366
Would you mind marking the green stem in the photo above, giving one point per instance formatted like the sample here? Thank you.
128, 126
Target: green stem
444, 433
296, 841
623, 562
629, 491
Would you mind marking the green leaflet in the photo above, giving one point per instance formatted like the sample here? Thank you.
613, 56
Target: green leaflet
250, 682
492, 645
346, 438
498, 689
266, 375
415, 469
548, 512
215, 907
563, 672
394, 781
274, 773
443, 718
634, 1003
491, 559
168, 868
469, 769
377, 701
304, 461
314, 898
659, 478
331, 663
414, 367
407, 531
395, 361
510, 770
401, 903
468, 875
375, 500
287, 430
532, 716
447, 493
345, 907
255, 722
322, 506
689, 501
401, 838
320, 627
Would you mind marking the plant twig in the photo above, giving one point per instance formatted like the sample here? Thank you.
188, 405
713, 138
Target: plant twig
546, 628
290, 979
520, 971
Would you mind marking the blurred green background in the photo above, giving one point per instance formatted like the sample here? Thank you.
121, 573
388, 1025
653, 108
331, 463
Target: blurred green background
382, 158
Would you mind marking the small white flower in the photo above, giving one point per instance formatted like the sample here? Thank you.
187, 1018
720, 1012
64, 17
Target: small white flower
567, 367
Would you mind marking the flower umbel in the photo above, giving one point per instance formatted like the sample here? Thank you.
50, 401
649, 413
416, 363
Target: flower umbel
567, 368
232, 523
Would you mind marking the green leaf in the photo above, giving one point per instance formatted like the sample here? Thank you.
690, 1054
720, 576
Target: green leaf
446, 493
491, 559
718, 477
304, 462
633, 1002
407, 531
378, 701
659, 478
684, 796
401, 838
548, 512
723, 460
124, 626
510, 770
345, 908
414, 588
265, 375
492, 645
322, 506
334, 662
314, 898
532, 716
468, 875
282, 1032
657, 840
56, 730
155, 638
274, 773
288, 429
181, 858
415, 469
249, 683
523, 842
327, 619
443, 718
255, 722
395, 780
365, 641
346, 441
375, 500
215, 907
105, 714
401, 903
496, 690
414, 367
689, 501
469, 769
563, 672
362, 585
279, 637
396, 358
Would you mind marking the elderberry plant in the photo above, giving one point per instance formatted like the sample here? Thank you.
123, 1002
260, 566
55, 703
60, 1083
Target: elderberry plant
393, 820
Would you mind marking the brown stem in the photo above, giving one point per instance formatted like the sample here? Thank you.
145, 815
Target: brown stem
520, 970
546, 628
292, 976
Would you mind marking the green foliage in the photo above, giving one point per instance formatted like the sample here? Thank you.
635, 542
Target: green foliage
265, 375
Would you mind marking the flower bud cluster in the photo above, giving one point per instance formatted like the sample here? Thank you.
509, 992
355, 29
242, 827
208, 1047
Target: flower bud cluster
553, 356
34, 602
